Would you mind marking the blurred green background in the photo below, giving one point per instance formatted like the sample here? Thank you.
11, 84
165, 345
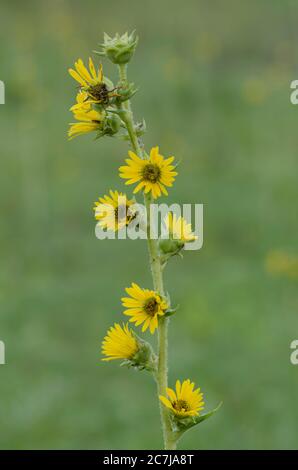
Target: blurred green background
214, 80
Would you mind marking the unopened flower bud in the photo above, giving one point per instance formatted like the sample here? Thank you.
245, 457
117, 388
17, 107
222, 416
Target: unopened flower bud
111, 125
119, 49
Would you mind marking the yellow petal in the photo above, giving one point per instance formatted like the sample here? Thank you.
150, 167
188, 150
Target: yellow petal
77, 77
92, 68
171, 394
81, 69
100, 73
165, 401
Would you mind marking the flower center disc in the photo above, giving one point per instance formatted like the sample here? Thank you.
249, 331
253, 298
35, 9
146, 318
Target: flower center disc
181, 405
99, 92
151, 172
151, 306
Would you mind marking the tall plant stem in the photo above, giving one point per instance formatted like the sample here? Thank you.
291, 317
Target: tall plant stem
156, 270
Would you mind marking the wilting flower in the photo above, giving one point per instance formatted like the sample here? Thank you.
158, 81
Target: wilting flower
144, 306
89, 121
186, 401
114, 211
92, 82
179, 229
119, 343
151, 174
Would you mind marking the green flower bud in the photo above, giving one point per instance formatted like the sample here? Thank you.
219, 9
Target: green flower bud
119, 49
111, 126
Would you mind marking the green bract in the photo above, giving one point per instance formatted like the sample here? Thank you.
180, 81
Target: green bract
144, 359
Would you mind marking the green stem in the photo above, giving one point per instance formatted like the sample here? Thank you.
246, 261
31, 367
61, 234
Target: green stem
123, 78
162, 370
123, 72
156, 270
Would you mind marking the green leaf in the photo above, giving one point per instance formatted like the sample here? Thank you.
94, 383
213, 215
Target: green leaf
171, 311
205, 416
184, 425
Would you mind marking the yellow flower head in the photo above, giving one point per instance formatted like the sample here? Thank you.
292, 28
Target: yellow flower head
89, 121
92, 82
115, 211
186, 401
144, 306
179, 229
119, 343
151, 174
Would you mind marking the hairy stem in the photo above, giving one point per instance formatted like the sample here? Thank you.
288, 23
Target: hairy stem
156, 270
162, 370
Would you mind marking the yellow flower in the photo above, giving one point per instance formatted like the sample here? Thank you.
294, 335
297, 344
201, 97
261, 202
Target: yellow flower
115, 211
144, 306
186, 401
92, 82
119, 343
89, 121
151, 174
179, 229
